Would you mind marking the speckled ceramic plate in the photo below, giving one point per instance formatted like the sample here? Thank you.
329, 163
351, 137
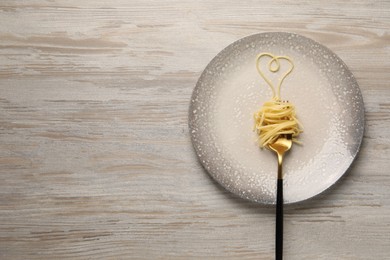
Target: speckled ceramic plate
328, 103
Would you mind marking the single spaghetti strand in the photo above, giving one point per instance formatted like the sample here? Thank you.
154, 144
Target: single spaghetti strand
274, 61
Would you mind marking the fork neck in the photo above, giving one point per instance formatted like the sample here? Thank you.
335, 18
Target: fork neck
280, 169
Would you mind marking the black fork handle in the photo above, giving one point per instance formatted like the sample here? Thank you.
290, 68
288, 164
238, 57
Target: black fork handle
279, 221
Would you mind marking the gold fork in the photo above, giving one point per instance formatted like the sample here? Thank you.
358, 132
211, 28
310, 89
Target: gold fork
280, 147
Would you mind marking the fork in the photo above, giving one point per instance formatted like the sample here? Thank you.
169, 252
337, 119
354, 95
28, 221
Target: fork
280, 147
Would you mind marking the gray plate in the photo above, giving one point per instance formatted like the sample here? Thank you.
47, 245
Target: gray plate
328, 102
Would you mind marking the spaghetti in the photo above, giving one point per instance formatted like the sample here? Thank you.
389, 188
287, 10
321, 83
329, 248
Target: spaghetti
276, 117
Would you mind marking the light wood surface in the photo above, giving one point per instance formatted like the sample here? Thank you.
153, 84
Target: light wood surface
95, 156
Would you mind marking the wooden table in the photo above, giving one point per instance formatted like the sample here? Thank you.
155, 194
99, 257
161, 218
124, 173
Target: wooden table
95, 155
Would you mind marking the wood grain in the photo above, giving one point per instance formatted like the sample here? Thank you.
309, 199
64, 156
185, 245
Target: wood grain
95, 155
